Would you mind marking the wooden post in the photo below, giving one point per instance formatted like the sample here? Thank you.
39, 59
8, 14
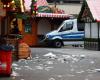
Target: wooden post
0, 25
98, 36
20, 24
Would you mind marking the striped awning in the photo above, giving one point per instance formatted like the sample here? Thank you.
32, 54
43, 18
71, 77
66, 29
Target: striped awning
53, 15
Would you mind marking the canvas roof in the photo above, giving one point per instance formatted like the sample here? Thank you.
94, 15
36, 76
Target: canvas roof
94, 6
90, 8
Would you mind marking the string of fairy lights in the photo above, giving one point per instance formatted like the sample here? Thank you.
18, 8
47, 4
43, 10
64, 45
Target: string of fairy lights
19, 5
34, 7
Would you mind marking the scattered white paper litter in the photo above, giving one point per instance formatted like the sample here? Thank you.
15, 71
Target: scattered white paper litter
59, 76
97, 70
50, 54
39, 67
48, 68
74, 55
49, 62
70, 75
28, 67
93, 70
92, 62
14, 74
51, 79
17, 68
72, 69
82, 56
14, 64
66, 56
62, 60
22, 79
80, 72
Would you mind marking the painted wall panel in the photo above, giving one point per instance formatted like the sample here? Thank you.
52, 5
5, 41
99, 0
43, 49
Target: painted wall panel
87, 30
94, 30
43, 26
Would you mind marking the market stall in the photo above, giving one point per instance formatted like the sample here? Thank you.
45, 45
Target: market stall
90, 15
42, 20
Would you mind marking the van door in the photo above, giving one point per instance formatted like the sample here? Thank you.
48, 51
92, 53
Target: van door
69, 31
66, 30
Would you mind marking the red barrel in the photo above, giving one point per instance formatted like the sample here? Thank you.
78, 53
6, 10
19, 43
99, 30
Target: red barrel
5, 62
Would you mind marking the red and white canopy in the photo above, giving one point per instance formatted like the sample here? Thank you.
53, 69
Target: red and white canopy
94, 6
53, 15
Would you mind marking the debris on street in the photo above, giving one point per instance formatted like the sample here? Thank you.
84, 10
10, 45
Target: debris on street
56, 66
50, 55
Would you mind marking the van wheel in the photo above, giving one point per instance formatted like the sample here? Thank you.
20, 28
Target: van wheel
58, 44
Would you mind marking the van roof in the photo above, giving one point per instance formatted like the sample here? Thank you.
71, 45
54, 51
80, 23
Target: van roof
70, 20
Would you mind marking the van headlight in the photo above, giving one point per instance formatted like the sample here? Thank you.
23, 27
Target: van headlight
47, 36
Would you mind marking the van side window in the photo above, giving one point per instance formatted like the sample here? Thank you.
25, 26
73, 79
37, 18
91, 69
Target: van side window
66, 26
80, 26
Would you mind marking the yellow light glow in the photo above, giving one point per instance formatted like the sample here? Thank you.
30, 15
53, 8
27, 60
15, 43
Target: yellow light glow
22, 7
12, 1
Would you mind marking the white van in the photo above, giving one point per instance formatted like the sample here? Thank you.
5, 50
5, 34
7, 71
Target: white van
69, 33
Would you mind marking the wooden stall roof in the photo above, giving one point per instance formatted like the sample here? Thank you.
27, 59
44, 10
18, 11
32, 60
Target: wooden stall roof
92, 8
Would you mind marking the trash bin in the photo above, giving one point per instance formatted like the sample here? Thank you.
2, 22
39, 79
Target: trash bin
5, 58
5, 62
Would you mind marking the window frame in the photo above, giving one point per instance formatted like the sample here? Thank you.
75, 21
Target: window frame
28, 26
66, 25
